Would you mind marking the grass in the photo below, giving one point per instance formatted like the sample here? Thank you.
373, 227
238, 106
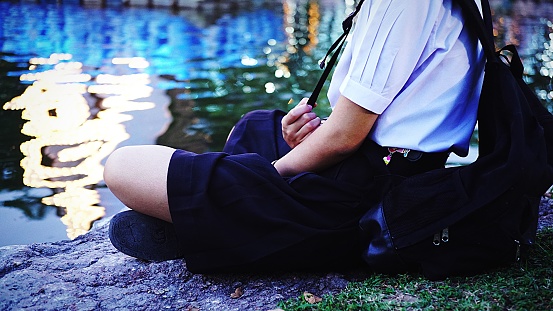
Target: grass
523, 286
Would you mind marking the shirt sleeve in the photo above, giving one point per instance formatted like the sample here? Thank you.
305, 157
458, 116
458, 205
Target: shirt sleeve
387, 45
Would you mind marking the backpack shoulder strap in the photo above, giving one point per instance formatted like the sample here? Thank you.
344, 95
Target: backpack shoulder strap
481, 25
336, 47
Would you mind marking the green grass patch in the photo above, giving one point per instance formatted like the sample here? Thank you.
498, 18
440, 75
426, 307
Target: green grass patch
523, 286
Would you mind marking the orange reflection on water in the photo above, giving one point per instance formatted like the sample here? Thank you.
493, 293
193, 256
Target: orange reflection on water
75, 123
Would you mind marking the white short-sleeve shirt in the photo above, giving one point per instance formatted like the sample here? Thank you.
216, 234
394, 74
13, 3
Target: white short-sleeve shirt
418, 67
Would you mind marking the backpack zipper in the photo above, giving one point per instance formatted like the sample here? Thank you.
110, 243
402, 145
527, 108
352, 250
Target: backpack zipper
445, 235
517, 254
442, 236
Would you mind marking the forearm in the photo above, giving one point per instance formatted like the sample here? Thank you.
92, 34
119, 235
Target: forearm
318, 151
340, 136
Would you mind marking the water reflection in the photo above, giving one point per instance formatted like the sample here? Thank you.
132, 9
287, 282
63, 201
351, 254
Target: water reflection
69, 139
76, 96
74, 91
204, 107
529, 25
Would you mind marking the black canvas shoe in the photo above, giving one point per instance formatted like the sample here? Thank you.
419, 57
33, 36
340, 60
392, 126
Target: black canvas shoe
144, 237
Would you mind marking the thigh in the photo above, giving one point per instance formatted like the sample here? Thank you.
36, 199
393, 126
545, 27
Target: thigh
236, 211
137, 176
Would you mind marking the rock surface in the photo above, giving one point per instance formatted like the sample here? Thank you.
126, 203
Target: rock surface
88, 273
545, 219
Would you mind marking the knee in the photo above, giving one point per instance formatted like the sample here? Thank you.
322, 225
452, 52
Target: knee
136, 167
115, 166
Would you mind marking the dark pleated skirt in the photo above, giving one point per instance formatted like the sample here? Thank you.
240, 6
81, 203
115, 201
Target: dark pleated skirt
233, 212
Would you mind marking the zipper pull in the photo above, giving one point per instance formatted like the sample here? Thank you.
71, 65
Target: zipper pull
445, 235
436, 240
517, 254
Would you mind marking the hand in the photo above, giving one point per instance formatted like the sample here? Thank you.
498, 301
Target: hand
299, 123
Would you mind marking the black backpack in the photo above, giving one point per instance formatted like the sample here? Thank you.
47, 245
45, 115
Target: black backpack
464, 220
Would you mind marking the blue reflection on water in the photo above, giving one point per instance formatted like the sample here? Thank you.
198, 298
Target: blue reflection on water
191, 47
173, 44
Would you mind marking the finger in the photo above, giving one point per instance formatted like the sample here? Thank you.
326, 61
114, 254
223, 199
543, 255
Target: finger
309, 127
306, 130
299, 122
295, 113
294, 133
304, 102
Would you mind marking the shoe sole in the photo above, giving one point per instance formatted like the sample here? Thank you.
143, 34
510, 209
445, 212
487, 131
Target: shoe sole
144, 237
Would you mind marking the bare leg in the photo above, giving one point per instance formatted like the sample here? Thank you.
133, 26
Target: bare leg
137, 175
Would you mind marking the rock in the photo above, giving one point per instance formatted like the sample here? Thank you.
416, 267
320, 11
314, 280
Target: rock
88, 273
545, 219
